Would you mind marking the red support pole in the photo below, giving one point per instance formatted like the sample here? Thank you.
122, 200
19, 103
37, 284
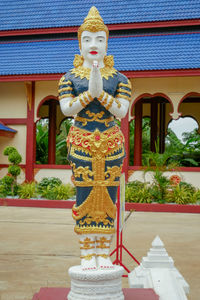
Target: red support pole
154, 125
162, 127
126, 133
52, 133
30, 137
138, 135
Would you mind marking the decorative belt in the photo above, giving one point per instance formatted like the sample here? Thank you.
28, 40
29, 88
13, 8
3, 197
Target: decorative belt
97, 117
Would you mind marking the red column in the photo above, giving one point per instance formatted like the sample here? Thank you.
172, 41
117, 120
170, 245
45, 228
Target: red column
138, 135
30, 136
52, 133
154, 125
125, 130
162, 128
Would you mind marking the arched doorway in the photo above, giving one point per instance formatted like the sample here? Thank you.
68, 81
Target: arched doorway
156, 109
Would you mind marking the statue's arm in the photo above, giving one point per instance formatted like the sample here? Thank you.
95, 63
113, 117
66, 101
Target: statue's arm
119, 104
69, 104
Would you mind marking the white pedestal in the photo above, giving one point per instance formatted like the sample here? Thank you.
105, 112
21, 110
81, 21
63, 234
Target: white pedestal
96, 285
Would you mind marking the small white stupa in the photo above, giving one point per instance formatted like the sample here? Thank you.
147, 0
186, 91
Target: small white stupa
157, 271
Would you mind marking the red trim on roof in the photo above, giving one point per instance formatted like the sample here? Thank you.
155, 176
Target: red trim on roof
111, 27
14, 121
130, 74
7, 133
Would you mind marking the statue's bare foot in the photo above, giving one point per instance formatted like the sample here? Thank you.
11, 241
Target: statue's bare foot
88, 263
104, 263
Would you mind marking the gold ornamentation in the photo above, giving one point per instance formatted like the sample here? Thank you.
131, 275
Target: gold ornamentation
83, 72
103, 255
127, 85
69, 88
94, 117
124, 97
86, 244
101, 96
124, 91
118, 103
62, 81
78, 60
109, 61
85, 98
102, 242
88, 256
89, 158
82, 103
65, 96
73, 100
93, 23
110, 103
85, 172
104, 102
94, 229
97, 143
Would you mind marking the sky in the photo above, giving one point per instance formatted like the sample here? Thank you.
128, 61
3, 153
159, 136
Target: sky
183, 125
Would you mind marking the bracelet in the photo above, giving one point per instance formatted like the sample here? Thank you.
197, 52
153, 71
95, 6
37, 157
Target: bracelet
89, 95
110, 103
82, 103
104, 102
118, 103
85, 98
101, 96
72, 101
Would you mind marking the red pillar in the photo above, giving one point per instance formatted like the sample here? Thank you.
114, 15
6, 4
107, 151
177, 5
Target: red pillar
125, 130
30, 136
154, 125
52, 133
162, 128
138, 135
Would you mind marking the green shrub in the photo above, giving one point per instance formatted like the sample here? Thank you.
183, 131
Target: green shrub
64, 191
14, 170
138, 192
15, 158
180, 195
188, 186
50, 182
8, 150
10, 182
27, 190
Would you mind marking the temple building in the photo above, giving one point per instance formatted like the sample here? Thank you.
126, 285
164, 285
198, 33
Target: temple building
155, 43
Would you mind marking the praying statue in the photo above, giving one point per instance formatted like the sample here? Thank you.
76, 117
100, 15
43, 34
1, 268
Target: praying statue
96, 94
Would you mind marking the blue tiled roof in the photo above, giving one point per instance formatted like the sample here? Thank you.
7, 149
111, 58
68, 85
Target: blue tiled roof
150, 52
24, 14
5, 128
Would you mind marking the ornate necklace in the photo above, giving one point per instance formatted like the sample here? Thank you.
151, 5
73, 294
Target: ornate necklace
83, 72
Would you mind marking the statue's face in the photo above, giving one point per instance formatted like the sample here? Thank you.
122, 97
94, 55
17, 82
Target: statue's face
93, 45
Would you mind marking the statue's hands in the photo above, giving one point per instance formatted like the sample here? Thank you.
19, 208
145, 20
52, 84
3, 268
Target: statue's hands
95, 82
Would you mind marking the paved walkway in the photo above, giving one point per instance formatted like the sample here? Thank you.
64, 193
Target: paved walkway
38, 245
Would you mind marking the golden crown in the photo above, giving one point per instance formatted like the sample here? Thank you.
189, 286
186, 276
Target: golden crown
93, 23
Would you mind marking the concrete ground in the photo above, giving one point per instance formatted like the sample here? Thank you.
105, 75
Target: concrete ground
38, 245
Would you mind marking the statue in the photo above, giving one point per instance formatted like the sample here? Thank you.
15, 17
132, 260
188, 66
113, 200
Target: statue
94, 92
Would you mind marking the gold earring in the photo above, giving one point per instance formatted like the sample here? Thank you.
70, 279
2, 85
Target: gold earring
78, 60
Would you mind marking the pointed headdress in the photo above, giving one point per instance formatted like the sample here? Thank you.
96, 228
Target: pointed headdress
93, 23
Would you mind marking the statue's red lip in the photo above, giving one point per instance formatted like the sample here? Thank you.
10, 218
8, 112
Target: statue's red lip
93, 52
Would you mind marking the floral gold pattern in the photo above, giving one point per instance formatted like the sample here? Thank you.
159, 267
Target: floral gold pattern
83, 72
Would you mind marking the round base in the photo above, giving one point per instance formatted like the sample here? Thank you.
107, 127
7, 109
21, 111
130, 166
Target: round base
96, 285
